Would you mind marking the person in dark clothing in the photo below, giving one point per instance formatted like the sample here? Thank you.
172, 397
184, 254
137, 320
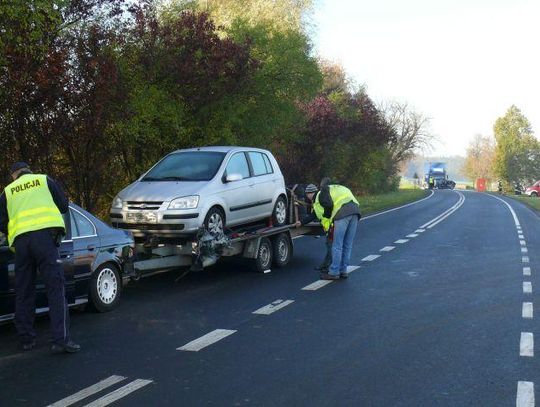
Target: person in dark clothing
31, 209
335, 205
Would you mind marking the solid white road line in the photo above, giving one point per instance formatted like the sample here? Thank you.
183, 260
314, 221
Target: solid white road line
371, 257
271, 308
350, 269
84, 393
412, 235
525, 394
450, 212
206, 340
119, 393
387, 248
316, 285
395, 209
524, 259
401, 241
526, 344
516, 221
524, 250
419, 230
527, 310
523, 243
526, 271
527, 287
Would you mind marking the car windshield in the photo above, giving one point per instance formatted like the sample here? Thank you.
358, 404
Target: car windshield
186, 166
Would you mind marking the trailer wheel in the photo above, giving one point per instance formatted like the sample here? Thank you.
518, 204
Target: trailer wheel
264, 256
282, 252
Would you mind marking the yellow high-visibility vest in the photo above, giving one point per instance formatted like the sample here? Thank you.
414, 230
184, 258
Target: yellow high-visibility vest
340, 196
31, 206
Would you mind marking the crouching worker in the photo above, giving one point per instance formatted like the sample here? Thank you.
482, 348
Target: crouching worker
335, 205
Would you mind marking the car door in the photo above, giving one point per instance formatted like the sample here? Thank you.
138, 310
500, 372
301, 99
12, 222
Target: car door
240, 196
7, 281
86, 245
264, 183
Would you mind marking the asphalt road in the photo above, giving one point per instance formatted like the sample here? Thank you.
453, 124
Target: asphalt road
439, 320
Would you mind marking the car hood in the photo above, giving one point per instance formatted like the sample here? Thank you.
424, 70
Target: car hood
161, 190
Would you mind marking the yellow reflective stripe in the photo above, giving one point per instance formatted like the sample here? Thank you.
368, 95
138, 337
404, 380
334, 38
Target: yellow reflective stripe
32, 222
35, 211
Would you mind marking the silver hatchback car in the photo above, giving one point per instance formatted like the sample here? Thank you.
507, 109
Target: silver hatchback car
212, 187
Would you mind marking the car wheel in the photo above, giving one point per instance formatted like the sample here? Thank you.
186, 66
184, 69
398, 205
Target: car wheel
105, 288
282, 250
279, 215
534, 194
215, 221
264, 256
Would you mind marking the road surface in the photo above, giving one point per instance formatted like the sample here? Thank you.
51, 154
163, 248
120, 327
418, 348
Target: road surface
438, 311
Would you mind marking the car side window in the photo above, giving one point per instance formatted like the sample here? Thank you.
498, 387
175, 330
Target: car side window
269, 169
80, 226
257, 163
238, 165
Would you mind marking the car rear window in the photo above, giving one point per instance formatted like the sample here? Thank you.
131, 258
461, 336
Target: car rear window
187, 166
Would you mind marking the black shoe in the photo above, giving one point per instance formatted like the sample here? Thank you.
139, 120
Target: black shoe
322, 269
28, 345
70, 347
343, 275
326, 276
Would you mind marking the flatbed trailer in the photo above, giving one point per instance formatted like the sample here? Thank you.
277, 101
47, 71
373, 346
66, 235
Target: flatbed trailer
263, 247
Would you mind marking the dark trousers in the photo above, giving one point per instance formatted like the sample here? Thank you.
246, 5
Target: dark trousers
37, 251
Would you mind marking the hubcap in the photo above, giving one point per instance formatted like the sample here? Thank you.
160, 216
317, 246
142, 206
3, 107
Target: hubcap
107, 286
215, 224
264, 254
281, 212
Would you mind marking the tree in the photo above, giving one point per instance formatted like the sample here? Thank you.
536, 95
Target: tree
517, 150
480, 158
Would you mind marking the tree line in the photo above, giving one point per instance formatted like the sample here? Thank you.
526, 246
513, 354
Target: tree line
94, 92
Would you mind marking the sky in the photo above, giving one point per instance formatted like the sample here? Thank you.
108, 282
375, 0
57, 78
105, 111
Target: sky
462, 63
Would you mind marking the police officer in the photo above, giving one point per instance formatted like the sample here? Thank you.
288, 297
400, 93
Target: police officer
31, 209
335, 205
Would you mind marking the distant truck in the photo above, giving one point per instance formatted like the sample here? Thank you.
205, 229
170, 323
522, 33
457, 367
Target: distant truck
437, 177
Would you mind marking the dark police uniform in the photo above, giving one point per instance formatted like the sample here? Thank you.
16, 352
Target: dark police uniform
30, 215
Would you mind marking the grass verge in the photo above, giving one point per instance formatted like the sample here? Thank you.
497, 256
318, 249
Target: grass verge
376, 203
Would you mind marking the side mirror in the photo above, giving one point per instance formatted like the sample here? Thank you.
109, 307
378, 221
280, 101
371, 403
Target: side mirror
234, 177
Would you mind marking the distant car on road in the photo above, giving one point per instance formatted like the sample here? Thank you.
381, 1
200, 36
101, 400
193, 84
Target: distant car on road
93, 255
533, 190
211, 187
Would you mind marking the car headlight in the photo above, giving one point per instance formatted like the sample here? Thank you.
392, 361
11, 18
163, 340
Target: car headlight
185, 202
117, 203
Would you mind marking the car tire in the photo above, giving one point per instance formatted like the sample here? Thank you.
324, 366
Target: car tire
534, 194
264, 256
105, 288
282, 250
279, 214
214, 221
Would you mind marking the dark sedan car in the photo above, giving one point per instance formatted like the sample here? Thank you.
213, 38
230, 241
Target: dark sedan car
93, 255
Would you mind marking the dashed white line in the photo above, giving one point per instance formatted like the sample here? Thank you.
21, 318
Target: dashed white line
527, 287
524, 250
316, 285
350, 269
401, 241
526, 271
271, 308
419, 230
527, 310
522, 242
525, 259
84, 393
412, 235
119, 393
206, 340
521, 236
526, 344
387, 248
371, 257
525, 394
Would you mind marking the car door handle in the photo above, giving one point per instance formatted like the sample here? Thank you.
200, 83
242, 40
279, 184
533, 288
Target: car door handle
91, 247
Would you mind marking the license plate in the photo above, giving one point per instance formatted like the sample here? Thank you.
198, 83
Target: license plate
141, 217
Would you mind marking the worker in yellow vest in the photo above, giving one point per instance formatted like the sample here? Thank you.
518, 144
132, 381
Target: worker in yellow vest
335, 205
31, 209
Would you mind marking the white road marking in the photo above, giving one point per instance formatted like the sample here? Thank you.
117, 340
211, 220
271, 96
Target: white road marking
412, 235
516, 221
298, 237
401, 241
526, 344
206, 340
525, 394
527, 287
119, 393
395, 209
524, 250
350, 269
419, 230
316, 285
526, 271
84, 393
271, 308
527, 310
267, 271
521, 236
387, 248
524, 259
371, 257
445, 214
522, 242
